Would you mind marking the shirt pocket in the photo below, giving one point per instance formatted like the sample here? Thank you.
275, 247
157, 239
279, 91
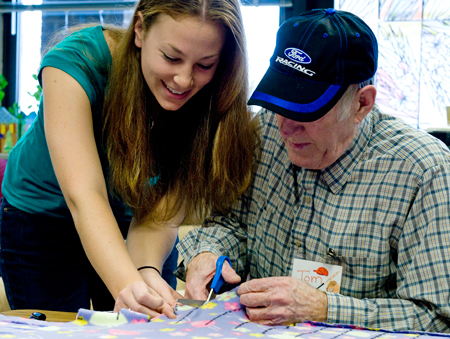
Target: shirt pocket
366, 275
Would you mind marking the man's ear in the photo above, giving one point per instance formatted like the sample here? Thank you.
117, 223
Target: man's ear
139, 30
366, 100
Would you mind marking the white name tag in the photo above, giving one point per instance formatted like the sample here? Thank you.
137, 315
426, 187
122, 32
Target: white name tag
324, 277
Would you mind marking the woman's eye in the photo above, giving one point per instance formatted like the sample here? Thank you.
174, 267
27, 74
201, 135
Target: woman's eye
170, 59
205, 67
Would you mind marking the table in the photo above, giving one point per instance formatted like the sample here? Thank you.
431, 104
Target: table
55, 316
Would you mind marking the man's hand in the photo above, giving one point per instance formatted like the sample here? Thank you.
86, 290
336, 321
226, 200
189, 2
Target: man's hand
200, 273
152, 297
282, 301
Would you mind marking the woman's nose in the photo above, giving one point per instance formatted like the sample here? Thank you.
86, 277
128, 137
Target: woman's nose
184, 78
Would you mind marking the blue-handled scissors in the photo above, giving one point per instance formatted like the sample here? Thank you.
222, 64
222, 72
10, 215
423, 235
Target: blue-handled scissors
216, 284
218, 279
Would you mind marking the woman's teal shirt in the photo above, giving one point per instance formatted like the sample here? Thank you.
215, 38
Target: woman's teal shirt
30, 183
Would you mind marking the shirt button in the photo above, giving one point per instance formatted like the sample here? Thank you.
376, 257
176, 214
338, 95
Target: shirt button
331, 253
307, 200
298, 243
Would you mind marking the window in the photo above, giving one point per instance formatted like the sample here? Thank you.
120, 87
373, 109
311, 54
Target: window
36, 27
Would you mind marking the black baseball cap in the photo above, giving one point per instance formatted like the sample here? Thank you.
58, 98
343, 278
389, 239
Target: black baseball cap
317, 56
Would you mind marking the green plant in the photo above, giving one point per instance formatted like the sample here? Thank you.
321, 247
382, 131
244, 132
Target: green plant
37, 95
14, 109
16, 112
3, 84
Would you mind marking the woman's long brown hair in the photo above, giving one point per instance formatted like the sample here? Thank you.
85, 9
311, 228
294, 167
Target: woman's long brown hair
218, 167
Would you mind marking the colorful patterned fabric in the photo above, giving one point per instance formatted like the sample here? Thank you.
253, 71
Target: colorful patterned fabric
95, 318
222, 318
382, 211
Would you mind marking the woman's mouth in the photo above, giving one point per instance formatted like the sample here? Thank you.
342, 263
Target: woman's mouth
171, 90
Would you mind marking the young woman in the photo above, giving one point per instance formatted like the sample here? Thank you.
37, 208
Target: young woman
147, 124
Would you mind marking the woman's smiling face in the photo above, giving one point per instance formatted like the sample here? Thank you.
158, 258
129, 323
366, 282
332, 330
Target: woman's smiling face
178, 57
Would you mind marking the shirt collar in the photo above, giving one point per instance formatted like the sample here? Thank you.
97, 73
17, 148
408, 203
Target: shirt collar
338, 173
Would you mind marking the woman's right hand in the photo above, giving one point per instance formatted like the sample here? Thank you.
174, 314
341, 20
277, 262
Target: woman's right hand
142, 298
160, 286
149, 244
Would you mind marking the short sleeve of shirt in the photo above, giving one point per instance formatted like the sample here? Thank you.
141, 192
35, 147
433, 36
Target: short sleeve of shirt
85, 56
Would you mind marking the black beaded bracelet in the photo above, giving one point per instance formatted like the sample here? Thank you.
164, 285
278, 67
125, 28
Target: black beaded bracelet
141, 268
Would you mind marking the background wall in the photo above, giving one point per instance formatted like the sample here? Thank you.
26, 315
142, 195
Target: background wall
413, 79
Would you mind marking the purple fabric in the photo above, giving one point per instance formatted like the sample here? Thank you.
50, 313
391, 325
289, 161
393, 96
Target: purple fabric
223, 318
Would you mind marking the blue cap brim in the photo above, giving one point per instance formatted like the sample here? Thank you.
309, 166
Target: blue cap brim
294, 98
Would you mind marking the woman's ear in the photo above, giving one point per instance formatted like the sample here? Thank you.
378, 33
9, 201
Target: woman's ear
139, 30
366, 99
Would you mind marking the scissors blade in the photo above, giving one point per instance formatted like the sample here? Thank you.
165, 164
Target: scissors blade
191, 302
211, 295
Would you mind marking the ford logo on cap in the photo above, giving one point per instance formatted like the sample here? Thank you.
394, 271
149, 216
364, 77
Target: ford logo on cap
297, 55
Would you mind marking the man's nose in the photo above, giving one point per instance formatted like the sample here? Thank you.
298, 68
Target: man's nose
289, 126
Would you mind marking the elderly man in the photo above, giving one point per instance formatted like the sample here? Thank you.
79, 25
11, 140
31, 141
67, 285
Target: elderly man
338, 186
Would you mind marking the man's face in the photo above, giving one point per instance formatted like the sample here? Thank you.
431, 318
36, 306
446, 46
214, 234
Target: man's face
317, 144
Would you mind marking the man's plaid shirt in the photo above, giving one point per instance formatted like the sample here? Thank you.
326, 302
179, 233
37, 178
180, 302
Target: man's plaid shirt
382, 211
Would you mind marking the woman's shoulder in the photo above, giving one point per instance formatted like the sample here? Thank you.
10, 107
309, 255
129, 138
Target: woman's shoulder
85, 56
87, 42
78, 34
110, 41
112, 35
